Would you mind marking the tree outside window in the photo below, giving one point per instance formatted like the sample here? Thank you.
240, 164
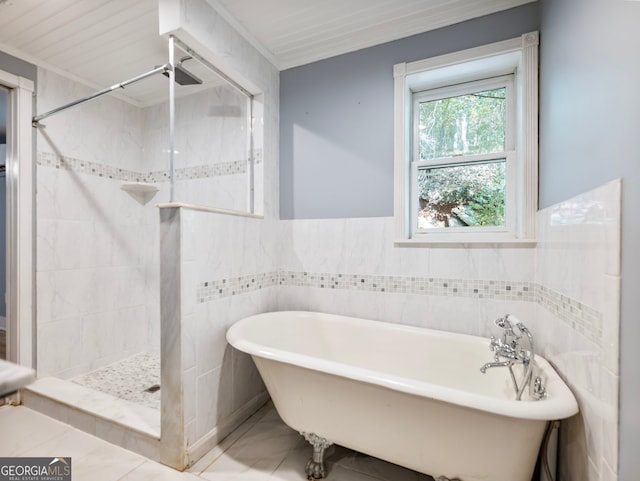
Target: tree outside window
462, 195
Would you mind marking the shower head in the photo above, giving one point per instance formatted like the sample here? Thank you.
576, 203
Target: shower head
182, 75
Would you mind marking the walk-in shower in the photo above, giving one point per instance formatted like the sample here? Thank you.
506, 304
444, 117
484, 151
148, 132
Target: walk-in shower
103, 167
227, 106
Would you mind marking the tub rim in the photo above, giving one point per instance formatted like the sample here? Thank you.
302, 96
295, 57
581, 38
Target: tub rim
559, 404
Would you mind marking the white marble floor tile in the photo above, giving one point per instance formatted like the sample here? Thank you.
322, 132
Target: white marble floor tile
150, 471
292, 469
23, 429
27, 433
262, 449
105, 463
71, 443
257, 454
377, 468
271, 451
230, 440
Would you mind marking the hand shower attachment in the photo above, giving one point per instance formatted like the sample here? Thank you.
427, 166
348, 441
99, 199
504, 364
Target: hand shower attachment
509, 348
504, 324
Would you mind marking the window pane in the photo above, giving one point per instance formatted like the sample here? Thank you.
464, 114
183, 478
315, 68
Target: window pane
462, 195
464, 125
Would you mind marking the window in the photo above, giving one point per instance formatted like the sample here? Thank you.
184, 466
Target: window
466, 145
462, 143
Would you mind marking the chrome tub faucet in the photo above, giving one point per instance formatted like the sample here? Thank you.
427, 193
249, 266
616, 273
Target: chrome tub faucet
509, 348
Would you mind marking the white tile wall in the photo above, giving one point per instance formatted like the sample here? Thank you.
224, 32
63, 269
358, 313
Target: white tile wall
578, 255
365, 246
218, 383
98, 246
91, 265
573, 313
211, 147
105, 131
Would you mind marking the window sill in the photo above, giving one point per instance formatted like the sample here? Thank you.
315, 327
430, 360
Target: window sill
474, 241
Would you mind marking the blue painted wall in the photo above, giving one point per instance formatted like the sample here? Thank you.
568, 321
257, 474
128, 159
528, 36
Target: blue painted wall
336, 118
589, 127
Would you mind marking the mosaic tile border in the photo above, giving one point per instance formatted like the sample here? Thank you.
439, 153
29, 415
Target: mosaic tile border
209, 291
430, 286
48, 159
582, 318
579, 316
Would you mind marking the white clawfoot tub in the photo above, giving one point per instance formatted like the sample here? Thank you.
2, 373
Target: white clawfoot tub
411, 396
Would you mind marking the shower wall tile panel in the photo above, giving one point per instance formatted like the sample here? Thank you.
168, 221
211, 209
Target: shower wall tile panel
172, 378
95, 243
578, 256
105, 131
92, 269
222, 383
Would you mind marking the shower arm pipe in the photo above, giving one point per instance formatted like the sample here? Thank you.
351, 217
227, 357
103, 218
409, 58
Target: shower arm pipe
100, 93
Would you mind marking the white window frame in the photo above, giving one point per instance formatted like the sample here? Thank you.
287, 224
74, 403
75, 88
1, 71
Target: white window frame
508, 154
517, 57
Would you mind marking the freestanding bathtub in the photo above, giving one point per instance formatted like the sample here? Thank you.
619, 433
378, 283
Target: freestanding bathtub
411, 396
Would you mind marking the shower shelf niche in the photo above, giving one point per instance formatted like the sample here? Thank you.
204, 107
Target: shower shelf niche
143, 192
140, 187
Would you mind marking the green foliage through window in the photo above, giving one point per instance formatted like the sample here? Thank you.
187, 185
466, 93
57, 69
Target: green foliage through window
463, 125
470, 194
462, 195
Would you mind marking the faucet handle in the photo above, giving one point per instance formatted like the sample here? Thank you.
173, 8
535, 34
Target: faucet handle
539, 391
495, 343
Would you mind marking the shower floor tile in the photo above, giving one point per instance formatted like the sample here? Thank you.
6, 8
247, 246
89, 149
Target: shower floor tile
129, 379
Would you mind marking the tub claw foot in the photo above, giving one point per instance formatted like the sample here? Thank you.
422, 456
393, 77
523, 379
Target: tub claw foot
315, 466
444, 478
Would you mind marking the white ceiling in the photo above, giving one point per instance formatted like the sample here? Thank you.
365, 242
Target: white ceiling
103, 42
297, 32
